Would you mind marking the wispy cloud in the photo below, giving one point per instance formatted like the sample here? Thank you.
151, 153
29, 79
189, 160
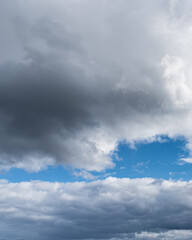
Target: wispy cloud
184, 160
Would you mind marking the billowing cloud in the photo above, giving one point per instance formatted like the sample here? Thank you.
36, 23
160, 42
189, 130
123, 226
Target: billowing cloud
108, 209
77, 77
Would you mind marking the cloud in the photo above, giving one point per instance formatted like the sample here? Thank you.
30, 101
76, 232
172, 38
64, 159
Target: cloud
185, 160
85, 175
76, 78
168, 235
109, 209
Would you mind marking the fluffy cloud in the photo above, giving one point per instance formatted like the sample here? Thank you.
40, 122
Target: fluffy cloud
108, 209
77, 77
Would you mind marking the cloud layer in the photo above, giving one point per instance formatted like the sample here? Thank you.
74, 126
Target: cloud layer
77, 77
110, 209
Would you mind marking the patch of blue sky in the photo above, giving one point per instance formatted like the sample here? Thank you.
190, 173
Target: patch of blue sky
159, 160
52, 174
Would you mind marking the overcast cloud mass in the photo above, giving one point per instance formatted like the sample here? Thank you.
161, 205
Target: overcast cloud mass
77, 77
115, 209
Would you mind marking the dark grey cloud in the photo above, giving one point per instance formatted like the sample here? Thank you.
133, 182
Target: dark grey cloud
109, 209
75, 79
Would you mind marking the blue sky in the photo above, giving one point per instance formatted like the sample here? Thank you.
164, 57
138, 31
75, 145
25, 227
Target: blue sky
159, 159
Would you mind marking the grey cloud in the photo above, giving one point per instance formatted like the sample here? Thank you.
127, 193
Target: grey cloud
169, 235
80, 79
109, 209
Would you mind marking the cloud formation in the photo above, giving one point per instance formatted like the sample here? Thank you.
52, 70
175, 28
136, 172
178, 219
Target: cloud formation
109, 209
77, 77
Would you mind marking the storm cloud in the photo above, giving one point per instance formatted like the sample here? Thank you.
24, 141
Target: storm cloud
109, 209
78, 77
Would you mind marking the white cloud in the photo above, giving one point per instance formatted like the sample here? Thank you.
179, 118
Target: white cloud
186, 160
84, 174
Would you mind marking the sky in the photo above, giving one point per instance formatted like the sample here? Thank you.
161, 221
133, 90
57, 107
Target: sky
95, 119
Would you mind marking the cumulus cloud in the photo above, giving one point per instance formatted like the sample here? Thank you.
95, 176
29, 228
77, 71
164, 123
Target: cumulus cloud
77, 77
108, 209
